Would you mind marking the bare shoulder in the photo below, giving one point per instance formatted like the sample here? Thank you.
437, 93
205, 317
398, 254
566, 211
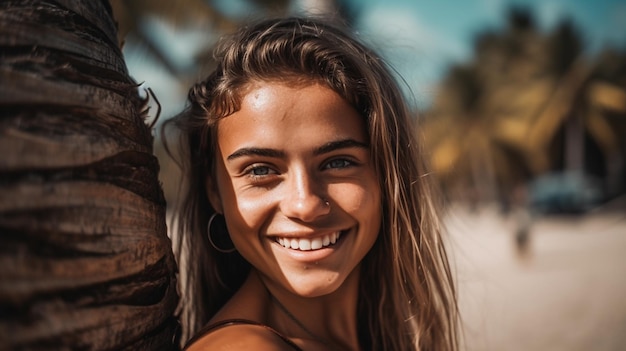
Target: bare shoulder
240, 337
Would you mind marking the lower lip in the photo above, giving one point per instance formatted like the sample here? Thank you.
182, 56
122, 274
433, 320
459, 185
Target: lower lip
311, 256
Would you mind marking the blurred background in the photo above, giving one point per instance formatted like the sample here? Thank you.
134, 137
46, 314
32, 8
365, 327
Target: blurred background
522, 107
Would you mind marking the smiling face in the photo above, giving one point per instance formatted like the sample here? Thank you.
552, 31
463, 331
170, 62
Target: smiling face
295, 182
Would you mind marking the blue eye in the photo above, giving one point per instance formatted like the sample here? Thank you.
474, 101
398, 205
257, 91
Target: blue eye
338, 163
260, 171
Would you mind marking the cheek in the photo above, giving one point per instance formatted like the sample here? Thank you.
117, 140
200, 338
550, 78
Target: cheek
359, 200
253, 209
247, 214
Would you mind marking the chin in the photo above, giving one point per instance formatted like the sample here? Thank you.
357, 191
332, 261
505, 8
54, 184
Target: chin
315, 285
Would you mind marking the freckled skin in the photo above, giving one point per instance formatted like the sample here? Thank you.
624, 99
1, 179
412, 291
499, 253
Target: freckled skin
282, 193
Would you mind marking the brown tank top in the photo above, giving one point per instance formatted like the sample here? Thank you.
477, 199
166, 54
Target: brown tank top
230, 322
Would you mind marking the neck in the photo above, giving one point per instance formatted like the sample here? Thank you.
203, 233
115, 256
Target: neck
330, 320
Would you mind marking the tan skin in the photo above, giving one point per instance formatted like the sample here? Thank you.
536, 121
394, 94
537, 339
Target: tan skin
294, 165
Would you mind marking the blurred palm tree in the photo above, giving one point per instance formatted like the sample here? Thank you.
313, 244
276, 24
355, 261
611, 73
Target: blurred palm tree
527, 104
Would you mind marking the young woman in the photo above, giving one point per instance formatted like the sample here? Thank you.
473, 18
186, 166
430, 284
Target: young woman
308, 220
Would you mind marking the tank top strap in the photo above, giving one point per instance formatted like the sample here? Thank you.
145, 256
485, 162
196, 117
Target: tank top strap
230, 322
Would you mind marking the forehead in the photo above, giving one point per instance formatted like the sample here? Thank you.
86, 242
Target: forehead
272, 112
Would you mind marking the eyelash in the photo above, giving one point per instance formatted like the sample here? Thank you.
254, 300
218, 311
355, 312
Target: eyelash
252, 169
345, 163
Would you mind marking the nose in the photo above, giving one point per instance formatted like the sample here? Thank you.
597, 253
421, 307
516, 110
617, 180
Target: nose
303, 199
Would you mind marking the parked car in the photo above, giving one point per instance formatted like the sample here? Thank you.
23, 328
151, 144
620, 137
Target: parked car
565, 192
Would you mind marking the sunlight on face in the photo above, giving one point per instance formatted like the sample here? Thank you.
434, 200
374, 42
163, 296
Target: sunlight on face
296, 184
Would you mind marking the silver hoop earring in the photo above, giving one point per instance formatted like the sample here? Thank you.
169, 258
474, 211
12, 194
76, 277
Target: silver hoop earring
226, 251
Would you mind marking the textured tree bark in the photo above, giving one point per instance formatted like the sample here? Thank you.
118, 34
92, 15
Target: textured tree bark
85, 262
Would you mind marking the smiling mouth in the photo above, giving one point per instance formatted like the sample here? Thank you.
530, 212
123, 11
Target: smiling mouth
306, 244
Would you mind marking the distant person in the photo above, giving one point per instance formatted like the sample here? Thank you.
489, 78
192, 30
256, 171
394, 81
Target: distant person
307, 220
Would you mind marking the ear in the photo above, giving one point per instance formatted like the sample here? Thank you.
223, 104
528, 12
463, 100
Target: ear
213, 195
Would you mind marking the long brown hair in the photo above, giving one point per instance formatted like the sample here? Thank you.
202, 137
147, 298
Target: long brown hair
407, 299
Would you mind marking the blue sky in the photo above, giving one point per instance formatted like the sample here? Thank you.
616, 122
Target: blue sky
457, 21
421, 38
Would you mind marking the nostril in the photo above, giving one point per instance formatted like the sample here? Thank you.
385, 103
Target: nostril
306, 208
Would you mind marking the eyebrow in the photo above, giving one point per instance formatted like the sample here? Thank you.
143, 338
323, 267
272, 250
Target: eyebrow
328, 147
339, 144
255, 151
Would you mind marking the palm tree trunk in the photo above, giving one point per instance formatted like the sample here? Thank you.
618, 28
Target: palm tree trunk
85, 262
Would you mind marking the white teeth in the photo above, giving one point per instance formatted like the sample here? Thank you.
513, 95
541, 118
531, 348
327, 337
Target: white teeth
316, 243
309, 244
304, 244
